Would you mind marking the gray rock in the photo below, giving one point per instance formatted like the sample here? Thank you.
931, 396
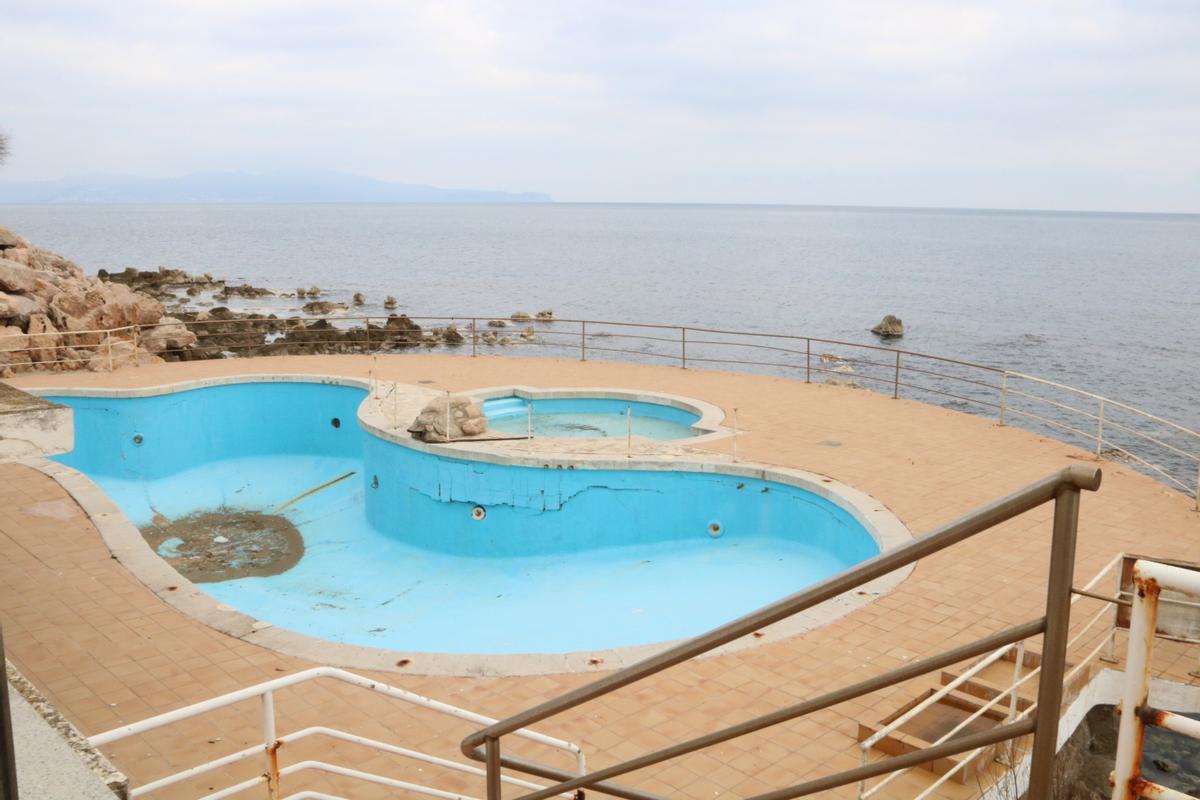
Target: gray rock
465, 416
889, 327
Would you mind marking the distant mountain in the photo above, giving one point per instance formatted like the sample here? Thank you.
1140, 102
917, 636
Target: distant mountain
241, 187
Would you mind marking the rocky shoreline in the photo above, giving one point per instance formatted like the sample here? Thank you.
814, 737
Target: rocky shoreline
54, 317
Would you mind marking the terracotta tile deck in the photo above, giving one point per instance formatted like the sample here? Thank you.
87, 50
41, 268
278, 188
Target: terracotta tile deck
106, 651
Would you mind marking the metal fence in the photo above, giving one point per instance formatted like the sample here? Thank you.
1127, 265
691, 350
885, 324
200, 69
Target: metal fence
274, 743
1106, 427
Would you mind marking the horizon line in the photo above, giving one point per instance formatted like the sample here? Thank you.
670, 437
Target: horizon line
692, 203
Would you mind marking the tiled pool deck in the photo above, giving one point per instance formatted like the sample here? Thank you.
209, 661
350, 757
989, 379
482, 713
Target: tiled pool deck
107, 651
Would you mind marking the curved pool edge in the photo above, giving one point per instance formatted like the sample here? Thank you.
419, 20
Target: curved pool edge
127, 546
708, 424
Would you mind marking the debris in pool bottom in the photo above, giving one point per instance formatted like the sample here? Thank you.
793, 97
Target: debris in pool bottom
226, 544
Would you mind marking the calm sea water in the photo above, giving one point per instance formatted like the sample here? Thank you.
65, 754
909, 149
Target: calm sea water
1106, 302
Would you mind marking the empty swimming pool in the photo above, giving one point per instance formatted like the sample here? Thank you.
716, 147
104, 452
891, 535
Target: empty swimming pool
416, 551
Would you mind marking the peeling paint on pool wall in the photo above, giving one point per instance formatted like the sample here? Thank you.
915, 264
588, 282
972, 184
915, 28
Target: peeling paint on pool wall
431, 553
544, 510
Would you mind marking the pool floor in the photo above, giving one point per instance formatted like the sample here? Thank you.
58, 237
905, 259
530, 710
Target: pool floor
358, 586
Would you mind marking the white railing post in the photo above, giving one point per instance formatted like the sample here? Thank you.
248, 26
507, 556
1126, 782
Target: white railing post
864, 760
735, 435
683, 347
896, 384
1100, 428
1018, 663
1003, 394
270, 745
583, 340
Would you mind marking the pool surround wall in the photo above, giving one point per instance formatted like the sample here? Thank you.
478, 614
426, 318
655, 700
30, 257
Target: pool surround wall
129, 547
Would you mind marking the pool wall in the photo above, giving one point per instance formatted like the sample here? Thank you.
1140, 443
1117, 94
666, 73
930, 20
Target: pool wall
592, 485
540, 510
429, 500
171, 432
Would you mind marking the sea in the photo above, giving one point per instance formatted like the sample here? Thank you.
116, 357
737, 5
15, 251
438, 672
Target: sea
1106, 302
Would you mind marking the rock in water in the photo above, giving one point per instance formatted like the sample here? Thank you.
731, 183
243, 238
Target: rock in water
452, 335
889, 327
359, 298
466, 419
390, 302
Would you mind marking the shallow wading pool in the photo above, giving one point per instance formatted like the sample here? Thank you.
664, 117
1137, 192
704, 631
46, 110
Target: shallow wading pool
588, 417
421, 552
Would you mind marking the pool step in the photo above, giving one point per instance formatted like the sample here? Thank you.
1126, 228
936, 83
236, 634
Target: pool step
505, 407
931, 724
959, 703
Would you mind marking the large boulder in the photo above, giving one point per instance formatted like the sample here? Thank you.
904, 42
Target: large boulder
102, 306
889, 328
465, 416
17, 278
9, 240
44, 339
170, 334
17, 308
44, 260
14, 349
113, 353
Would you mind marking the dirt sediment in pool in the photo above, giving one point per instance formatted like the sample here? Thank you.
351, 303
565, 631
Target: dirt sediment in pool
225, 544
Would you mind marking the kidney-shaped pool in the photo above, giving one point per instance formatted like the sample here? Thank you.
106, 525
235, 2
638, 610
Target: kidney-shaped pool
411, 550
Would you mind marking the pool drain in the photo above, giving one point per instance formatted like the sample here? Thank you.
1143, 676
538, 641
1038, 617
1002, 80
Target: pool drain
335, 422
137, 439
478, 513
714, 529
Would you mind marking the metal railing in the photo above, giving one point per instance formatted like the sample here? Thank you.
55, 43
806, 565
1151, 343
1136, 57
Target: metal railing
1106, 427
70, 349
1062, 488
273, 743
1150, 578
1017, 651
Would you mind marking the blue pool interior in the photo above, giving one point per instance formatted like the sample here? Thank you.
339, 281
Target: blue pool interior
562, 560
590, 417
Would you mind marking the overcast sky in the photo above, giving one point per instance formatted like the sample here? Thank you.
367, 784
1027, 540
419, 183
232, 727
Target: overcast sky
1074, 105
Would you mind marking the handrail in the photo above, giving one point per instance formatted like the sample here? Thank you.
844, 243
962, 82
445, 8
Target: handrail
272, 743
1063, 487
866, 745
